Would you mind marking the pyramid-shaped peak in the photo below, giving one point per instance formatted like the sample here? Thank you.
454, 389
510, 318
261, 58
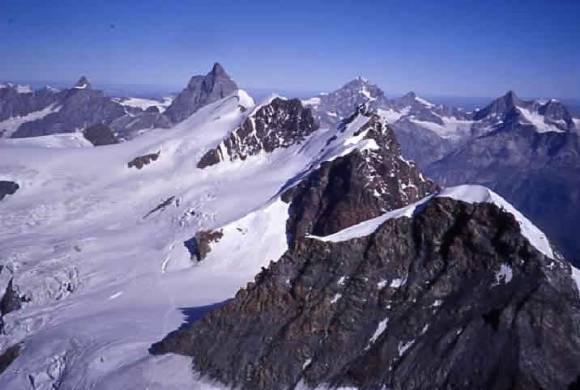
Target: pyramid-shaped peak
511, 96
218, 69
83, 83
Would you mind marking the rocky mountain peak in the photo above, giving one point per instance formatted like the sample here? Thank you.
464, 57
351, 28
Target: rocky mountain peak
200, 91
511, 99
218, 70
500, 107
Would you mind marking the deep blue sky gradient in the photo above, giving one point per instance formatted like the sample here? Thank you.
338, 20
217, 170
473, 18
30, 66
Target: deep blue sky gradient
460, 48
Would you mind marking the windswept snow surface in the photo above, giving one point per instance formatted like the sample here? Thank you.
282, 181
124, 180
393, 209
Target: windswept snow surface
465, 193
106, 276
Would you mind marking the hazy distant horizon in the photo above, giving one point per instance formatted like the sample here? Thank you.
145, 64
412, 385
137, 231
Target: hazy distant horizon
435, 48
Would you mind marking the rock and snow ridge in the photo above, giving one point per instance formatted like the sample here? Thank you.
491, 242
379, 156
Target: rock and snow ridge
464, 193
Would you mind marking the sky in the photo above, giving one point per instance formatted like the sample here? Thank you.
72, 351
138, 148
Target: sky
445, 47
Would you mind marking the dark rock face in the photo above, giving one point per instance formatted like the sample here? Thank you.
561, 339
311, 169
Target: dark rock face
141, 161
536, 172
356, 187
452, 298
11, 300
279, 124
200, 245
14, 103
8, 356
100, 134
201, 91
8, 188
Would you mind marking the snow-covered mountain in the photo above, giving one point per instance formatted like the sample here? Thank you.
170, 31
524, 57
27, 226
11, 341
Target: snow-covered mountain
342, 263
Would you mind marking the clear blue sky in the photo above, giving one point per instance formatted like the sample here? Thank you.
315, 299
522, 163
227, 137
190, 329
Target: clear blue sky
462, 48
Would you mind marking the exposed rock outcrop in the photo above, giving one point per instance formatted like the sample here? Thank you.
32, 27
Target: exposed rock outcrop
200, 244
277, 124
11, 301
141, 161
8, 188
8, 356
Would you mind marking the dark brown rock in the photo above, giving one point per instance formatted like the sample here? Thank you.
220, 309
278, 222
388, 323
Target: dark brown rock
141, 161
200, 245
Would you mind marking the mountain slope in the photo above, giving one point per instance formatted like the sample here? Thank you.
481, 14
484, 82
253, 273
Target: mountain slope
444, 293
